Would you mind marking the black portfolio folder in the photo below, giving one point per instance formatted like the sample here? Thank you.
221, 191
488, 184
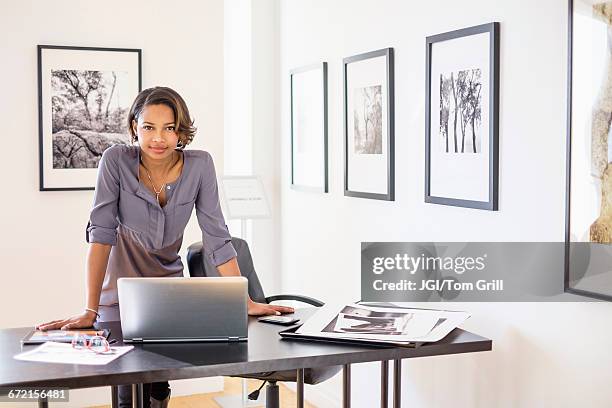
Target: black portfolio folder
290, 334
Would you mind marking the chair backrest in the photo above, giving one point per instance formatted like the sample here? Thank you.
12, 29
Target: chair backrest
199, 265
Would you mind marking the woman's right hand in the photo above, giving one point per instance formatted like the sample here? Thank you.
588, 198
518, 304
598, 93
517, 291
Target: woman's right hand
83, 321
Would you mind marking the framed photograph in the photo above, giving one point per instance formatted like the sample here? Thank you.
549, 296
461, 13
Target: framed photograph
588, 217
84, 95
461, 118
309, 128
369, 143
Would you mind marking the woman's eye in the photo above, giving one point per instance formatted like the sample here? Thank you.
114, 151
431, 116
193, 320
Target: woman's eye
146, 127
170, 128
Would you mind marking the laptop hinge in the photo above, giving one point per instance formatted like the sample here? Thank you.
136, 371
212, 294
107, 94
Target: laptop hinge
232, 338
137, 339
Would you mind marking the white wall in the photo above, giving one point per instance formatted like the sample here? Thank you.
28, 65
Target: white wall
251, 125
267, 244
251, 121
237, 87
544, 354
42, 245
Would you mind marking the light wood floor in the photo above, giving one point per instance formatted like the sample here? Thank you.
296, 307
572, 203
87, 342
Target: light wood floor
232, 386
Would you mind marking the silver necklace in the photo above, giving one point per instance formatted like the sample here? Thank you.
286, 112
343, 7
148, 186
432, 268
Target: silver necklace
157, 193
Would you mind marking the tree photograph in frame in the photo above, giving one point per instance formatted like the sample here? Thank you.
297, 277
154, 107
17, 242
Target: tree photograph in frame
462, 109
588, 218
369, 152
84, 97
309, 167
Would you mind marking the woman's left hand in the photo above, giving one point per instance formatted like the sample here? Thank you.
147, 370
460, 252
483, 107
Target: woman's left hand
263, 309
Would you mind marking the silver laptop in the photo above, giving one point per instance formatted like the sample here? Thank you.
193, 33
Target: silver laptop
183, 309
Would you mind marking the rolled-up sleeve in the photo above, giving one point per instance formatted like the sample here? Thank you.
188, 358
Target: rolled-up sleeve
215, 235
103, 221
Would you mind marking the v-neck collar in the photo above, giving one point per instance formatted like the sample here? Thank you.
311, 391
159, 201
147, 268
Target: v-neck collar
145, 193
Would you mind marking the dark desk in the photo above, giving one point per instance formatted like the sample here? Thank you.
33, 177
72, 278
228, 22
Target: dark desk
264, 351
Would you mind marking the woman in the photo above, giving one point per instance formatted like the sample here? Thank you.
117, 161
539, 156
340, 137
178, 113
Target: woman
144, 198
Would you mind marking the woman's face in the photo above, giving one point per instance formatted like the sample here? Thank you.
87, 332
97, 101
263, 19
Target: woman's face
156, 132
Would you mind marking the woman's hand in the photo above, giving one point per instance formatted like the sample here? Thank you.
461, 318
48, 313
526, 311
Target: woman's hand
231, 268
82, 321
263, 309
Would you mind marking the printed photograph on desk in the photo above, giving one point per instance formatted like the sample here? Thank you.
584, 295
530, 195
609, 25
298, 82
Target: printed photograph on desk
366, 321
394, 324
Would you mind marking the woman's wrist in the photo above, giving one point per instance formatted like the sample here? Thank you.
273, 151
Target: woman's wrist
92, 312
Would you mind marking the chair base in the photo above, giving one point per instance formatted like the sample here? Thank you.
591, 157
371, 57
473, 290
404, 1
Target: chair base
240, 401
235, 401
272, 395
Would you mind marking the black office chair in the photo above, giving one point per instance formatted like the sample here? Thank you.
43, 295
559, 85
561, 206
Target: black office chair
199, 265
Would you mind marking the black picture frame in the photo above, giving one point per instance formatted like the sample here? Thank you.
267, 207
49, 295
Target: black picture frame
324, 188
45, 133
567, 278
493, 126
390, 117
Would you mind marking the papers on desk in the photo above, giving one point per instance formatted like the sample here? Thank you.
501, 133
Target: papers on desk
61, 336
52, 352
393, 324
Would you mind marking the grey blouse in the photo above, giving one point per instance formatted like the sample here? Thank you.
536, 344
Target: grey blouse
146, 237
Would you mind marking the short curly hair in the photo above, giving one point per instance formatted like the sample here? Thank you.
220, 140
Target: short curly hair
161, 95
